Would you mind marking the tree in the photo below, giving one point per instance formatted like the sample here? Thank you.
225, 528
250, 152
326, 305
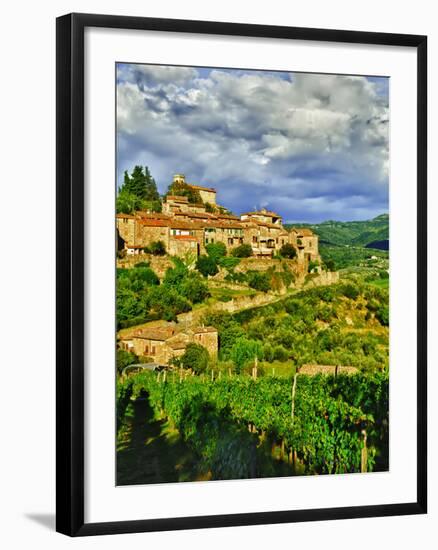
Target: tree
242, 251
216, 251
195, 357
139, 191
245, 350
141, 184
151, 192
207, 266
288, 251
127, 203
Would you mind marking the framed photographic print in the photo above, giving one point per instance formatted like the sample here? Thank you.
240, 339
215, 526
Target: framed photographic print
241, 274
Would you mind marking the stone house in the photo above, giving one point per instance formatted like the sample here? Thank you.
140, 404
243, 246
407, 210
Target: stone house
306, 243
164, 343
262, 215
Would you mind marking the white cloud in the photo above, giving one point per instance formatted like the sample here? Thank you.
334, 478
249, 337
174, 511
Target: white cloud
261, 130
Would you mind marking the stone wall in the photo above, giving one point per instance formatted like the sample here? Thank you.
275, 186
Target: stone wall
323, 278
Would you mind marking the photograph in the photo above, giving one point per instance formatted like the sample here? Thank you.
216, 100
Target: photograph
252, 273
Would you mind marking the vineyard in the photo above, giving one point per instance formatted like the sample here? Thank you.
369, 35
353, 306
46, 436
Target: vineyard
240, 427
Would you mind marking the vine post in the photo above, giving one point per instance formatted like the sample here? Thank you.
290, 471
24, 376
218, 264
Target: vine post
364, 454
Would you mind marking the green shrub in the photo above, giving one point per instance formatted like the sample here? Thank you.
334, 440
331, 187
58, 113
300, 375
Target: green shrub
382, 314
207, 266
288, 251
195, 357
350, 291
216, 251
242, 251
229, 262
259, 281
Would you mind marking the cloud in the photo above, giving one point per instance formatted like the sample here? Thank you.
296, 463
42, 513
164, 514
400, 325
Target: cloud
311, 146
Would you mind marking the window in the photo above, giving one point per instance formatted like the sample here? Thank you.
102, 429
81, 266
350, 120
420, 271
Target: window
230, 241
254, 239
153, 350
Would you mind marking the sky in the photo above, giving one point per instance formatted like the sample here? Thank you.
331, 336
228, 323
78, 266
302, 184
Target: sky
312, 147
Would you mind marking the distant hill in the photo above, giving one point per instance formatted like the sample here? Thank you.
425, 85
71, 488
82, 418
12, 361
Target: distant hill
361, 234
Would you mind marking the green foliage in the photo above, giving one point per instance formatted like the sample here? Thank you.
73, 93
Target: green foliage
244, 351
350, 291
242, 251
124, 359
311, 327
216, 251
313, 264
229, 263
382, 315
288, 251
259, 280
209, 208
194, 288
207, 266
127, 203
358, 233
141, 184
138, 192
330, 414
338, 257
195, 357
182, 189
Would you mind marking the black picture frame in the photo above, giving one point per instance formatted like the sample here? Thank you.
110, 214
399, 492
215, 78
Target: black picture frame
70, 273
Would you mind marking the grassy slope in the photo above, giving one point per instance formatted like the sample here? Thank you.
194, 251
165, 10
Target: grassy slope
358, 233
345, 242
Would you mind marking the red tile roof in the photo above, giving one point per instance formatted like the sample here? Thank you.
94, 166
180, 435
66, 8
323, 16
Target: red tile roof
123, 216
201, 330
177, 198
200, 188
184, 238
304, 231
154, 223
155, 333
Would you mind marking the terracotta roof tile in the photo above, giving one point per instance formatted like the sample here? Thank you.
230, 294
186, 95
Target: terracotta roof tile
125, 216
201, 188
157, 333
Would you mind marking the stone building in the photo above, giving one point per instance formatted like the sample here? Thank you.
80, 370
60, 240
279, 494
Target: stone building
162, 344
306, 243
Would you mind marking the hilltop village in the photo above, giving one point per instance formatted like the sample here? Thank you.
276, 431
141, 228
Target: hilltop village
185, 226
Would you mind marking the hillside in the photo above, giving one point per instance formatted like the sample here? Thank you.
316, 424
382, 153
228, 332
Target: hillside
358, 233
352, 244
